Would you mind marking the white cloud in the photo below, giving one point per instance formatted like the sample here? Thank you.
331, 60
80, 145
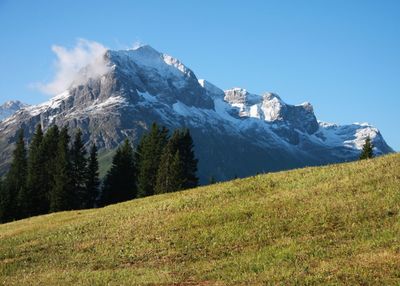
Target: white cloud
137, 44
70, 63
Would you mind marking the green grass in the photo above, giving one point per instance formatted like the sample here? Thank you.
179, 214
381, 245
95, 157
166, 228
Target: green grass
338, 224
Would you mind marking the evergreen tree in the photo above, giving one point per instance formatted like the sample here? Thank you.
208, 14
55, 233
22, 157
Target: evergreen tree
92, 179
212, 180
148, 157
36, 180
182, 141
4, 203
7, 212
120, 181
186, 151
48, 153
61, 194
170, 175
79, 172
16, 202
367, 150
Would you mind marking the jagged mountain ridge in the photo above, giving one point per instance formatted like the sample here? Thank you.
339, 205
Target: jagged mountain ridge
10, 107
236, 133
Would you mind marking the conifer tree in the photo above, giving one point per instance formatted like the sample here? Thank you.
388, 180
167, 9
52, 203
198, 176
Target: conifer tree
92, 179
212, 180
170, 175
7, 213
186, 151
148, 157
48, 153
36, 180
367, 150
16, 200
120, 181
60, 196
79, 172
182, 141
4, 203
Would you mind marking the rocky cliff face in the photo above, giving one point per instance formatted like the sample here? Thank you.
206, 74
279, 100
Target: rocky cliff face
236, 133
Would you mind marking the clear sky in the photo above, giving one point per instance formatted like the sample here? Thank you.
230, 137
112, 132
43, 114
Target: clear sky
343, 56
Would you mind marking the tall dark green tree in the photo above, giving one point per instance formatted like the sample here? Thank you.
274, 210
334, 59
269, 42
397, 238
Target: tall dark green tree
79, 172
48, 153
212, 180
148, 157
36, 179
186, 151
182, 141
4, 203
170, 175
120, 182
16, 201
61, 194
367, 150
92, 179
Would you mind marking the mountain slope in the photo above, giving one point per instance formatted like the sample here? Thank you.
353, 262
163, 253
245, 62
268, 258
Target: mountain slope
338, 224
10, 107
236, 133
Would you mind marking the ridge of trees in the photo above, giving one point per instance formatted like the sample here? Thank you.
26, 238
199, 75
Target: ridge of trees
55, 173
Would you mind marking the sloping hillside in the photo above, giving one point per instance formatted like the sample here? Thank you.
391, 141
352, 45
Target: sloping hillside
338, 224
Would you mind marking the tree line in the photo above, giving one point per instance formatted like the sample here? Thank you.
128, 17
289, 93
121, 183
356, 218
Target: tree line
160, 164
56, 173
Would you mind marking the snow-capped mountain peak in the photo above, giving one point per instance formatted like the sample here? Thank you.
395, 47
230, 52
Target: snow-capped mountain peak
272, 107
10, 107
235, 132
147, 57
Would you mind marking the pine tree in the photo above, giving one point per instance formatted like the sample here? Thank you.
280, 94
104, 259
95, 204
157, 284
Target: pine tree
15, 203
148, 157
186, 151
16, 177
120, 181
7, 211
212, 180
170, 175
36, 179
182, 141
48, 153
61, 194
92, 179
79, 172
4, 203
367, 150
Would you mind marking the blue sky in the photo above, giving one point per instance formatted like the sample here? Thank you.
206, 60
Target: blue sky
342, 56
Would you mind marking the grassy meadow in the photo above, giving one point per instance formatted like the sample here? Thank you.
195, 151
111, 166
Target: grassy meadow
332, 225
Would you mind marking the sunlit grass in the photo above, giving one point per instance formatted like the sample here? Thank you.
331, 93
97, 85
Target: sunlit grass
338, 224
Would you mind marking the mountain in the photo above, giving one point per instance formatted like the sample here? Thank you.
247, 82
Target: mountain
10, 107
331, 225
236, 133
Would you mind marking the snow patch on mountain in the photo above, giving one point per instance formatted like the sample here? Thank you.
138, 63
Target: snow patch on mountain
147, 97
272, 106
211, 90
53, 103
352, 136
100, 106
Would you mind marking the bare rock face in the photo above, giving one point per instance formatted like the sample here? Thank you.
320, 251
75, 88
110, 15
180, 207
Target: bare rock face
236, 133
